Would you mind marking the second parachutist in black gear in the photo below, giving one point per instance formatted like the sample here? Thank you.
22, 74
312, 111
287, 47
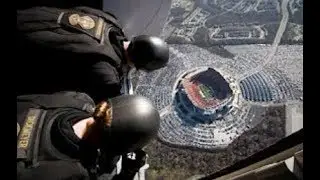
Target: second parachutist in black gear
57, 132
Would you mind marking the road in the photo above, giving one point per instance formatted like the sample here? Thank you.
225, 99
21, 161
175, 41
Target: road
276, 41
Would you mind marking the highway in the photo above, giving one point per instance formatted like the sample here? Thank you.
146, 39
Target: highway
276, 41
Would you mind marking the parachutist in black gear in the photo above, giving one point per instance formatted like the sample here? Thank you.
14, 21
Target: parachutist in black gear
62, 133
80, 49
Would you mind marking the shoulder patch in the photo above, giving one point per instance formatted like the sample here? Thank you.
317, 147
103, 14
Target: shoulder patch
28, 128
85, 22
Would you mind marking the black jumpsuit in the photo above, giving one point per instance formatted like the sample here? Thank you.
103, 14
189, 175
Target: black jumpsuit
58, 58
54, 151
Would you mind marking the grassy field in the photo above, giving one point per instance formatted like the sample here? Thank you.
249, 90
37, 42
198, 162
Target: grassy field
205, 91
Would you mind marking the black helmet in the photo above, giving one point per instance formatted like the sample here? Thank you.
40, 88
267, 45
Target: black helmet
148, 52
133, 122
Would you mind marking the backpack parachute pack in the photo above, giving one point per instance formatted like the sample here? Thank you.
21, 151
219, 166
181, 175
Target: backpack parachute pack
35, 151
33, 115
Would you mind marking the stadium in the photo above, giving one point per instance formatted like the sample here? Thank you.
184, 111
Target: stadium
203, 95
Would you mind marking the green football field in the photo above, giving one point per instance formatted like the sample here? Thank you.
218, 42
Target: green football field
205, 91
